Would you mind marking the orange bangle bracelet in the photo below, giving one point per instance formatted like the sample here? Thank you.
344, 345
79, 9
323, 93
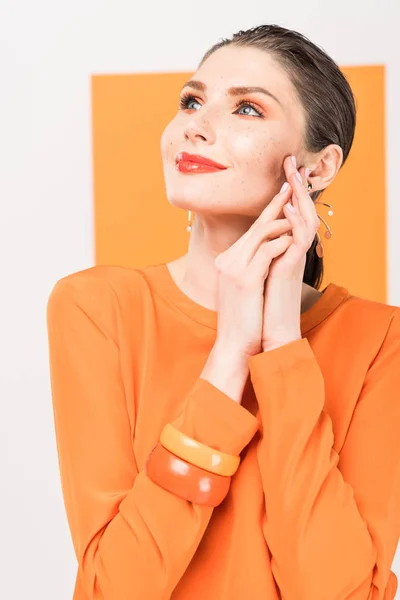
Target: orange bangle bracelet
185, 480
198, 454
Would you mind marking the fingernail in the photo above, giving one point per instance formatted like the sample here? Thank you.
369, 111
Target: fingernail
294, 160
290, 207
284, 187
308, 171
299, 177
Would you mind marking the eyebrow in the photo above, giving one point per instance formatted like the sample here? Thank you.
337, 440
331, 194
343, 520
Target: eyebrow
233, 91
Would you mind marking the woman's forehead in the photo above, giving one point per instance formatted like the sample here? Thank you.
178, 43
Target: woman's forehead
232, 66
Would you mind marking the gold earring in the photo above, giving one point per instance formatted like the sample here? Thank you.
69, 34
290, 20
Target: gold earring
190, 221
319, 248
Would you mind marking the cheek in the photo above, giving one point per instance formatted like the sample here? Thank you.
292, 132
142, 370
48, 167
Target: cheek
244, 146
255, 156
167, 140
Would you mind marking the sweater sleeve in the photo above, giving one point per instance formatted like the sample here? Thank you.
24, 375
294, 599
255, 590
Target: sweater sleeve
132, 539
332, 521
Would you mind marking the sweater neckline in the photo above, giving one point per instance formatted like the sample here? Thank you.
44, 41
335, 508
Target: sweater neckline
164, 284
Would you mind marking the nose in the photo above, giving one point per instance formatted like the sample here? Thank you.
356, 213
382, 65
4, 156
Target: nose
198, 128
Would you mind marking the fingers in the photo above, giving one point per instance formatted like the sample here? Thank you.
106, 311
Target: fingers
264, 232
269, 214
300, 231
272, 230
259, 267
301, 198
273, 209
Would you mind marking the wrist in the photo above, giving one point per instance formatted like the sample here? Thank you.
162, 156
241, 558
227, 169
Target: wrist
277, 343
227, 372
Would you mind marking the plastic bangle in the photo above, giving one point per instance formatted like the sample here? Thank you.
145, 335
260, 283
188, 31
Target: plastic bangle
185, 480
198, 454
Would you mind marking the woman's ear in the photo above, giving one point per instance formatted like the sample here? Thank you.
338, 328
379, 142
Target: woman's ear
324, 166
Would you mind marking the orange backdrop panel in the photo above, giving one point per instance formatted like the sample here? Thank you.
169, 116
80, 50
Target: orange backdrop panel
135, 225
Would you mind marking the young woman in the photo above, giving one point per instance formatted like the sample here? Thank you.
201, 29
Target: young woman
225, 430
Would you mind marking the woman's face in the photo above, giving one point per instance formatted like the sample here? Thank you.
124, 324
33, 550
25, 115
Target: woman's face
249, 132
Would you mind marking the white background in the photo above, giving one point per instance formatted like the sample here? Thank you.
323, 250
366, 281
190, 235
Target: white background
48, 51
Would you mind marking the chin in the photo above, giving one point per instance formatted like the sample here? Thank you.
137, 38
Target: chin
189, 192
187, 199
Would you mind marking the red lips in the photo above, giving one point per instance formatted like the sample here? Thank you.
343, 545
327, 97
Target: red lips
196, 163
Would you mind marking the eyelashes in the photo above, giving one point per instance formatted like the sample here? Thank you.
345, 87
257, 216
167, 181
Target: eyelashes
187, 98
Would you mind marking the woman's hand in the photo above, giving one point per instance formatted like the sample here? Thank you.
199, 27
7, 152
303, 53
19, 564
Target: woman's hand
283, 289
242, 270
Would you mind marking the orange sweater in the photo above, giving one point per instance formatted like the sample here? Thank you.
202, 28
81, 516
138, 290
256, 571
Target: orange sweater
313, 512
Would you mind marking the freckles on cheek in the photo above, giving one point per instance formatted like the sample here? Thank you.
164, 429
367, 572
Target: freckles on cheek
258, 148
250, 156
243, 145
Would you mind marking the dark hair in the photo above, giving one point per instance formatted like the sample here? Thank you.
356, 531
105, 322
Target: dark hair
322, 89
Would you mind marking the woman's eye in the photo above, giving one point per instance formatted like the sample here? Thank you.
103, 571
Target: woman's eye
190, 103
249, 108
187, 101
